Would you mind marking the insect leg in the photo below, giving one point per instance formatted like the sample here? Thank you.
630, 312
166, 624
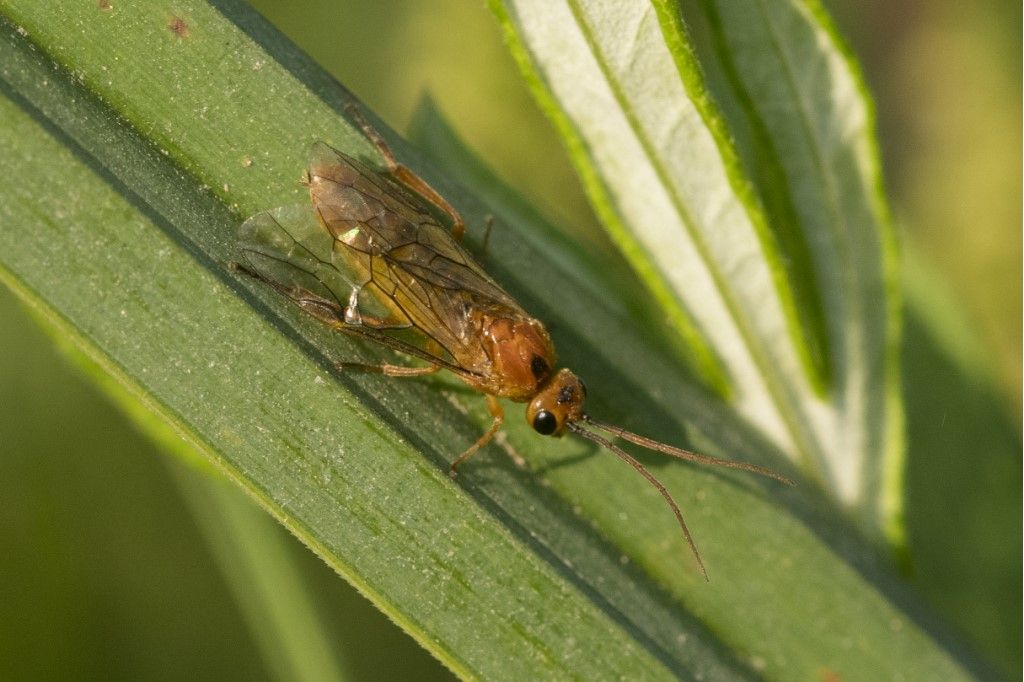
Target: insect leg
332, 314
494, 407
328, 312
355, 318
402, 173
389, 370
488, 224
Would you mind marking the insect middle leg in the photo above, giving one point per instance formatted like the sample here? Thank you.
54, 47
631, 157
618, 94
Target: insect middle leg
498, 413
404, 175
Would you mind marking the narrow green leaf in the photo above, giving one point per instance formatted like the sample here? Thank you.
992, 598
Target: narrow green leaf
138, 138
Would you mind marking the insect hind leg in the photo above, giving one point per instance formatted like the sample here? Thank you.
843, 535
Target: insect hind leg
326, 311
293, 293
356, 318
389, 370
404, 175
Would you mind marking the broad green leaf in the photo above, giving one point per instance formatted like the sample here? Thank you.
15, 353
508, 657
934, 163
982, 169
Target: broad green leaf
783, 313
114, 236
138, 137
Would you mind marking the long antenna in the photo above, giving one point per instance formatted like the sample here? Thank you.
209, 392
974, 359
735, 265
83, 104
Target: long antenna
685, 454
630, 460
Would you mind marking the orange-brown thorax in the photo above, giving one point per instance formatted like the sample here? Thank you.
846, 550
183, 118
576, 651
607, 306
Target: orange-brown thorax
521, 357
521, 361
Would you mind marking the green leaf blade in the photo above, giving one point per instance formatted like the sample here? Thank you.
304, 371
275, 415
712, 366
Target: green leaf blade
319, 451
272, 452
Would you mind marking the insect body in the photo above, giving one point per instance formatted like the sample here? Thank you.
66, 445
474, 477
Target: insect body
370, 257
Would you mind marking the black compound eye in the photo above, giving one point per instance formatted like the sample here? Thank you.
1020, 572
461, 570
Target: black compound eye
545, 423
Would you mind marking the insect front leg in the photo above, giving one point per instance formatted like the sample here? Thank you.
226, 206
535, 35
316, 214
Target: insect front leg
498, 413
403, 174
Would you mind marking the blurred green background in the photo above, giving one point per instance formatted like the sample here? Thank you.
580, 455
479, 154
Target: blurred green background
105, 573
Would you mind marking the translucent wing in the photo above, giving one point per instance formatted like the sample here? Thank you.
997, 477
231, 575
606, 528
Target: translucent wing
391, 236
288, 247
290, 250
